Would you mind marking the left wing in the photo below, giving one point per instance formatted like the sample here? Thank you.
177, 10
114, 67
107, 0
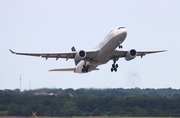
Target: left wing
68, 69
67, 55
122, 53
143, 53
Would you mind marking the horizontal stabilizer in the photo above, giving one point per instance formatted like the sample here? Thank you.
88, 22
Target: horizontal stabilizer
64, 69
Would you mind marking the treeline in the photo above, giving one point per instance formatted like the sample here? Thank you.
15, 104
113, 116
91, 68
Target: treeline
88, 106
90, 102
115, 92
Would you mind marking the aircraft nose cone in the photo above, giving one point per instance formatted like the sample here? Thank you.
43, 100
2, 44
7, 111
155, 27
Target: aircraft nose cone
124, 32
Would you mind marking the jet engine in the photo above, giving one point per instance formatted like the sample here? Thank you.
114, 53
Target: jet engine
80, 55
131, 54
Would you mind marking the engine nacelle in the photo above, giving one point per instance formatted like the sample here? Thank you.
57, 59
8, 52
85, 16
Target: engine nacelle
131, 54
80, 55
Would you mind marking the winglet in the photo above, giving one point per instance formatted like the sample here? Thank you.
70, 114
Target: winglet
12, 51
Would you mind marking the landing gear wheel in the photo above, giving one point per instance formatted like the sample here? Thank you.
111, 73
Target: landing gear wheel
83, 70
112, 69
115, 69
116, 65
113, 65
120, 46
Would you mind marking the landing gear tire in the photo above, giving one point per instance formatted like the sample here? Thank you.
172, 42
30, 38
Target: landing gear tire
113, 65
116, 65
112, 69
121, 46
85, 68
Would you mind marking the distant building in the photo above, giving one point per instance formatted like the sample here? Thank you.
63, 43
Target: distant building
41, 93
45, 94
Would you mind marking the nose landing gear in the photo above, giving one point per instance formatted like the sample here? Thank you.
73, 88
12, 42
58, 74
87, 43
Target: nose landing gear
120, 46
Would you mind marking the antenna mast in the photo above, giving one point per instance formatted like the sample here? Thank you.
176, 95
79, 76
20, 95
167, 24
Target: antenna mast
20, 83
29, 85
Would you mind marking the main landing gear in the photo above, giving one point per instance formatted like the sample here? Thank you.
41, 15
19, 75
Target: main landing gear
85, 67
114, 65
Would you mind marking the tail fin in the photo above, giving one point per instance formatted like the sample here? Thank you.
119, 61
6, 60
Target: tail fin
74, 49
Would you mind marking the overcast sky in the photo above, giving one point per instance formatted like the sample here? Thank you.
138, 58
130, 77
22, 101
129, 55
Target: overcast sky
57, 25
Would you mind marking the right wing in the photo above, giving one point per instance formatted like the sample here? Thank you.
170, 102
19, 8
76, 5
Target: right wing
67, 55
122, 53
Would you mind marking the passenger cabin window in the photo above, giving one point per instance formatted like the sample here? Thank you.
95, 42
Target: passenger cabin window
121, 28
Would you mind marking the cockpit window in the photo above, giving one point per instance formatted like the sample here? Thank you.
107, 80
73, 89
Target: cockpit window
121, 28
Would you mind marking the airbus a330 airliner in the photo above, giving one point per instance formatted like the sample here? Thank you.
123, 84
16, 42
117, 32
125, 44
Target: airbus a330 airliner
86, 61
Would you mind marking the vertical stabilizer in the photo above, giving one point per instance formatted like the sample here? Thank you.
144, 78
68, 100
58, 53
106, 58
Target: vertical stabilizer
74, 49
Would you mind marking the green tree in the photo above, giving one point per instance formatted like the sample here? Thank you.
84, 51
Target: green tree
115, 110
96, 112
13, 110
70, 109
3, 107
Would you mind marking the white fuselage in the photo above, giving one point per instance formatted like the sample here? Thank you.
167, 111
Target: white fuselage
106, 47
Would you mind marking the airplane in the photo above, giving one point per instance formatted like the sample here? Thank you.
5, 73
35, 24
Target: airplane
89, 60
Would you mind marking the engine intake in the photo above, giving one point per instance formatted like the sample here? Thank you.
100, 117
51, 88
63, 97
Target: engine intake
131, 54
80, 55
